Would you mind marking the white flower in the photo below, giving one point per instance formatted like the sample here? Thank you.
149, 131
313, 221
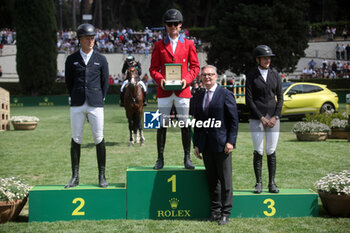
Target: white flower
310, 127
24, 119
338, 183
337, 123
13, 188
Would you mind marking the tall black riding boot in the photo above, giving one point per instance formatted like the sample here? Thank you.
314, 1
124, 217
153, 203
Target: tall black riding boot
75, 159
121, 99
271, 164
144, 98
257, 162
161, 137
186, 143
101, 161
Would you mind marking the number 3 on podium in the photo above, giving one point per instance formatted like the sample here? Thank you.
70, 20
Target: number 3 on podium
77, 210
271, 206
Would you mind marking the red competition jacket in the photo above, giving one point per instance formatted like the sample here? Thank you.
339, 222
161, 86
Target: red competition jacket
185, 54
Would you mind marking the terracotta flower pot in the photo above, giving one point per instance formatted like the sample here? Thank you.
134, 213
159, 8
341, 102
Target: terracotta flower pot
336, 205
24, 125
312, 136
9, 210
338, 133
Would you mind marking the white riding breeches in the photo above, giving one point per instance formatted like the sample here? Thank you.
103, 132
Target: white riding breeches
95, 116
182, 106
258, 133
142, 85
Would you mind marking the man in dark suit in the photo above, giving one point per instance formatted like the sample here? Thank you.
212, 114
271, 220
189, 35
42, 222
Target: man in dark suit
264, 97
216, 142
87, 83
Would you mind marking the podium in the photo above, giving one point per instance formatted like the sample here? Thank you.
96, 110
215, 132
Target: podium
170, 193
286, 203
84, 202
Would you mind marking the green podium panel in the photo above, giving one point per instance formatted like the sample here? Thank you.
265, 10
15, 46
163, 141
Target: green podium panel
286, 203
84, 202
170, 193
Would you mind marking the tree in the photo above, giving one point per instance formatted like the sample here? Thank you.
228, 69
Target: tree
242, 25
36, 45
7, 8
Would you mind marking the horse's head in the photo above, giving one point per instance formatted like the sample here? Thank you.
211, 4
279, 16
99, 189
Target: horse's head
132, 75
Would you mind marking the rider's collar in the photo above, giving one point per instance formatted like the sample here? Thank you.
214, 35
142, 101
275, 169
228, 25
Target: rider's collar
167, 39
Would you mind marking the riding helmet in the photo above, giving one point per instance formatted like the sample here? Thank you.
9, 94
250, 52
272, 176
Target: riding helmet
172, 15
86, 29
263, 51
131, 58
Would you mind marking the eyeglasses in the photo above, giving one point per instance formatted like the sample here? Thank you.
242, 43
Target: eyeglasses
170, 24
208, 75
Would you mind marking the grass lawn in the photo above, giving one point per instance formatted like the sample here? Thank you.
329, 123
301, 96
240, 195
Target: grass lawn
42, 157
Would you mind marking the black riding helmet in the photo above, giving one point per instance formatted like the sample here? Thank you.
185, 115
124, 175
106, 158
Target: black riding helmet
172, 15
86, 29
263, 51
130, 58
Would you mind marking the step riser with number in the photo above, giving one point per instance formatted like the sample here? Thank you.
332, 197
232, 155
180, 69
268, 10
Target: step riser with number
174, 193
85, 202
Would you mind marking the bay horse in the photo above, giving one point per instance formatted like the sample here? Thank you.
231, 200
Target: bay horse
134, 107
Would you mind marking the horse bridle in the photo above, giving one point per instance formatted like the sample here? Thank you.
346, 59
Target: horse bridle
133, 70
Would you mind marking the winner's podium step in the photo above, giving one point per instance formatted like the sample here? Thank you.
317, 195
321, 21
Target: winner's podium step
84, 202
170, 193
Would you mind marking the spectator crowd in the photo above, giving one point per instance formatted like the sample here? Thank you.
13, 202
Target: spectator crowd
328, 69
126, 40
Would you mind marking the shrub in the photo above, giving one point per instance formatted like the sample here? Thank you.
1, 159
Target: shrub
337, 183
13, 188
326, 117
310, 127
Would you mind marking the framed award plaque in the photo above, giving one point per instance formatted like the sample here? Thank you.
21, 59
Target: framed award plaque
173, 77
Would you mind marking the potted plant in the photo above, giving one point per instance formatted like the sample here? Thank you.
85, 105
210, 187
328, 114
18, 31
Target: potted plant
310, 131
13, 197
338, 129
334, 191
24, 122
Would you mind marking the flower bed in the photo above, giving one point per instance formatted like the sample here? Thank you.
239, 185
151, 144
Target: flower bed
13, 196
24, 122
334, 191
310, 131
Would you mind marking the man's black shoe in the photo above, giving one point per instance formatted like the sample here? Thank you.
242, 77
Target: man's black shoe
214, 217
224, 220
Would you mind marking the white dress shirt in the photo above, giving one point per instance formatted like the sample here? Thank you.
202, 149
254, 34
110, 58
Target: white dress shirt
210, 92
86, 56
173, 42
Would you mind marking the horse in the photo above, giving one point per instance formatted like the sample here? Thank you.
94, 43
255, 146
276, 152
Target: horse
134, 107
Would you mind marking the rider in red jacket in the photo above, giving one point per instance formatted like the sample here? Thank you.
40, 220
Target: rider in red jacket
174, 49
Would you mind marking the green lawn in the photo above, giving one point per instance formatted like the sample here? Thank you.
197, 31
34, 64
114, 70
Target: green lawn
42, 157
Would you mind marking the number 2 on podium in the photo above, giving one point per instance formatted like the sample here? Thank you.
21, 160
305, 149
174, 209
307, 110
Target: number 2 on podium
77, 210
172, 179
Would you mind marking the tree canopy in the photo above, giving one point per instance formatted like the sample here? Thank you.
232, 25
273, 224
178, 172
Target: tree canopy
241, 26
36, 45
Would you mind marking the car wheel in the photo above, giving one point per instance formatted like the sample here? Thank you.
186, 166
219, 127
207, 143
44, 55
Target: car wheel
327, 107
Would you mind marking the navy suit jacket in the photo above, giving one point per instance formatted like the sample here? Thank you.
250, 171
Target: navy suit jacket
87, 82
222, 108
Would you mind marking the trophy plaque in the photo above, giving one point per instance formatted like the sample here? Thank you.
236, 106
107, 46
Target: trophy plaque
173, 77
